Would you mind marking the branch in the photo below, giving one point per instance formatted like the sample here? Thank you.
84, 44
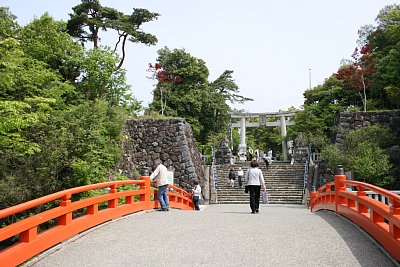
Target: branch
123, 52
119, 40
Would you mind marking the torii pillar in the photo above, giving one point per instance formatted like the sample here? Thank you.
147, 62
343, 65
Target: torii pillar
283, 135
242, 145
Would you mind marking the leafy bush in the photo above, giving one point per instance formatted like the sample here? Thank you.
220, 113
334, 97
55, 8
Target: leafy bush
375, 134
333, 156
371, 164
364, 154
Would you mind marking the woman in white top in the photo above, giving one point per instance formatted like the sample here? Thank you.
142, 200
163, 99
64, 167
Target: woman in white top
255, 179
196, 195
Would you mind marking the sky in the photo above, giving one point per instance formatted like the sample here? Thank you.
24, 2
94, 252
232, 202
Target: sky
275, 49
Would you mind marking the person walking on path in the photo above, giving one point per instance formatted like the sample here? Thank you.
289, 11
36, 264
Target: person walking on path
160, 174
196, 195
278, 156
257, 154
240, 177
255, 180
232, 178
268, 159
269, 155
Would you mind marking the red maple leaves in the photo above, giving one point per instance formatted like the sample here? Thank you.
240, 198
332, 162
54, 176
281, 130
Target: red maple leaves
162, 74
358, 75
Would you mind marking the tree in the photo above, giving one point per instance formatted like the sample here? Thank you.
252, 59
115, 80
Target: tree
186, 97
358, 74
371, 164
97, 69
8, 26
223, 90
383, 40
90, 17
46, 40
165, 79
188, 93
322, 105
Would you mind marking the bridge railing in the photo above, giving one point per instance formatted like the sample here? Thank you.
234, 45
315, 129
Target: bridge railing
32, 241
378, 219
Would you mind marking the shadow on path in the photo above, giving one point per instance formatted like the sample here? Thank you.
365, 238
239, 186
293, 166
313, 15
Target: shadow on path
360, 243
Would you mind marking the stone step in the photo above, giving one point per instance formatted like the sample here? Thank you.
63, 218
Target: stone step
271, 195
298, 193
284, 182
269, 187
294, 202
271, 200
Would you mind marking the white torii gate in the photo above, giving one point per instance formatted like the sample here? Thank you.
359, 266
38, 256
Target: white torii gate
262, 121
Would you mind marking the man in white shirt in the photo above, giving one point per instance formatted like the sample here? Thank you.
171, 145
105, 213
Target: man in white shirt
160, 174
196, 195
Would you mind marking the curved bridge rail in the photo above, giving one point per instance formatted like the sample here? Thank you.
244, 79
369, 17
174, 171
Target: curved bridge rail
31, 242
381, 221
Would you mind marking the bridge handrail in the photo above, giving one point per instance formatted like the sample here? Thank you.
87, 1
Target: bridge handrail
378, 219
31, 242
361, 186
61, 194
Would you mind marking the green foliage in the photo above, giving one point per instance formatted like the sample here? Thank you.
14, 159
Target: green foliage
364, 155
16, 118
89, 136
374, 134
24, 77
371, 164
8, 26
62, 110
46, 40
393, 93
333, 156
322, 105
384, 40
96, 73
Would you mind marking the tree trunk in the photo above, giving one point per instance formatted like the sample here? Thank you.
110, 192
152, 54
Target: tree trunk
123, 52
364, 94
96, 37
161, 101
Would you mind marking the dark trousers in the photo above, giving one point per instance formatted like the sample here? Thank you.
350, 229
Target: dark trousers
196, 201
254, 191
240, 178
266, 163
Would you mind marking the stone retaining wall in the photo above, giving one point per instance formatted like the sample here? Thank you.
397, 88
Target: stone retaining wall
169, 140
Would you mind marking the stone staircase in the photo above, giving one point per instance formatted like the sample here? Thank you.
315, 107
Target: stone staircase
284, 183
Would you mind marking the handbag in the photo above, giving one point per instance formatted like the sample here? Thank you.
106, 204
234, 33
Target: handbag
265, 197
246, 189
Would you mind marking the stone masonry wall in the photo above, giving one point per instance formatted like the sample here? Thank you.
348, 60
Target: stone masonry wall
169, 140
348, 121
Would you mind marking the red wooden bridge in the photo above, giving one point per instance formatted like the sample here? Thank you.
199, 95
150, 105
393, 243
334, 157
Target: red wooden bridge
281, 235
